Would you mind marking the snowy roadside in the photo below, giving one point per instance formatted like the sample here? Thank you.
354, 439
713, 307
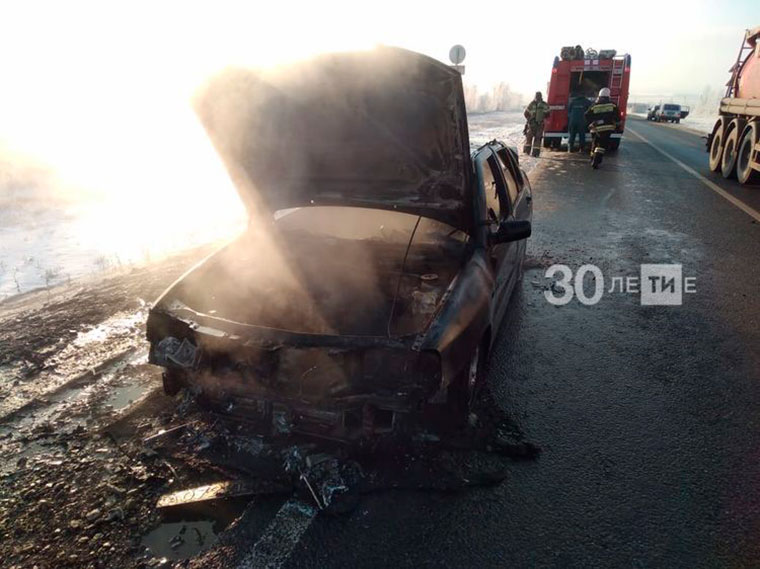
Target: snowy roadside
506, 126
699, 125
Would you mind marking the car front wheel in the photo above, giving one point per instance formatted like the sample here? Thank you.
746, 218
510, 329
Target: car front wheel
465, 389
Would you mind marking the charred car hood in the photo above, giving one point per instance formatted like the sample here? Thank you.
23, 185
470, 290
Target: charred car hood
383, 129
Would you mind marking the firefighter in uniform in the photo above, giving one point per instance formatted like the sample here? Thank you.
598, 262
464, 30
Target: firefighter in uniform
535, 114
603, 118
576, 111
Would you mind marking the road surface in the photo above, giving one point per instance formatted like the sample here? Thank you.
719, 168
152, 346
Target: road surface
648, 417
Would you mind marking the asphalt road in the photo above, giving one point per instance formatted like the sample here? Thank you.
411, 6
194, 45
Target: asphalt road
648, 417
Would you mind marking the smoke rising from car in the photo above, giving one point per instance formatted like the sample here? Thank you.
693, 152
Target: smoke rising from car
319, 268
326, 270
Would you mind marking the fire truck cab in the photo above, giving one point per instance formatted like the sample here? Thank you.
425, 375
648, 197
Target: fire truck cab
585, 76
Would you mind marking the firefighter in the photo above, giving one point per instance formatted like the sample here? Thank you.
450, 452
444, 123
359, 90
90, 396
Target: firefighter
603, 118
535, 114
576, 114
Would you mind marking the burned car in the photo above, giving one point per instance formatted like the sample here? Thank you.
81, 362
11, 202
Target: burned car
379, 259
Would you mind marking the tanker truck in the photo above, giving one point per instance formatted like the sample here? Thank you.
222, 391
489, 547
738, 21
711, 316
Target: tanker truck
734, 144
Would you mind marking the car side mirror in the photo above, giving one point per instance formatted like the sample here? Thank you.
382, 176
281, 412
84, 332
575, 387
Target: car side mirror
511, 230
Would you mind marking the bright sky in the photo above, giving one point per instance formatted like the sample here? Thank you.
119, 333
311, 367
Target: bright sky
100, 90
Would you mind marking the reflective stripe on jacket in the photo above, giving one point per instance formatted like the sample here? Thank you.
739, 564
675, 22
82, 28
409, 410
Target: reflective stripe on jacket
603, 115
537, 111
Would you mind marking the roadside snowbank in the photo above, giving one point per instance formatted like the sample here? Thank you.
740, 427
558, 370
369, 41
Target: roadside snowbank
700, 124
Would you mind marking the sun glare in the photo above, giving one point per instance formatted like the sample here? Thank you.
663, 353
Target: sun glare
107, 109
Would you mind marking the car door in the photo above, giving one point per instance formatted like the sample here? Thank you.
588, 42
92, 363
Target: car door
520, 207
501, 255
519, 190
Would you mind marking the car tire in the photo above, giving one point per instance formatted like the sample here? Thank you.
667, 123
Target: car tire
678, 121
744, 171
465, 388
728, 162
172, 383
716, 147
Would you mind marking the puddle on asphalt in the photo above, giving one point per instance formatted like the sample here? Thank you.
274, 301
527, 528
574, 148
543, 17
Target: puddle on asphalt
193, 530
180, 540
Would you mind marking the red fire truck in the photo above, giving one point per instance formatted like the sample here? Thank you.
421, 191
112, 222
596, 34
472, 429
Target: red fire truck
586, 76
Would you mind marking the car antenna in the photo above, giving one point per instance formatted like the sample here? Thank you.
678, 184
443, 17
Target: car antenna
401, 274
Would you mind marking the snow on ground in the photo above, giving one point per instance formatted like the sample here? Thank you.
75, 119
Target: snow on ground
47, 243
44, 242
506, 126
700, 124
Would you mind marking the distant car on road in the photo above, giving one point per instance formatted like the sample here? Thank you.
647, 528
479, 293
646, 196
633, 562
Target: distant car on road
371, 300
669, 112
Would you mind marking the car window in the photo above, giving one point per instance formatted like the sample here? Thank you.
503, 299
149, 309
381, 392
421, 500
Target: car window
493, 207
510, 159
512, 188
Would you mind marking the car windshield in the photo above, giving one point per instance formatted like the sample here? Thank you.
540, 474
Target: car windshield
364, 224
672, 107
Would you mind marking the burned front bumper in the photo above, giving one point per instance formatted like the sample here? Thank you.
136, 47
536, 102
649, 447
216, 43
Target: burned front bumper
345, 419
342, 388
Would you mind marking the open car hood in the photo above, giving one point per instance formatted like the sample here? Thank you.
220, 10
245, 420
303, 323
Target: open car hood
384, 128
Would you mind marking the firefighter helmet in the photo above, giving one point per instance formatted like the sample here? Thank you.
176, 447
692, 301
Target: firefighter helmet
604, 92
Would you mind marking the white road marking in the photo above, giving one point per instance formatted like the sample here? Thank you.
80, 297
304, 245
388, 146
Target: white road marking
713, 186
274, 547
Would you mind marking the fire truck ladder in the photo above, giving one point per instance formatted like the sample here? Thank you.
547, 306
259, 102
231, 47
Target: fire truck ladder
616, 81
732, 84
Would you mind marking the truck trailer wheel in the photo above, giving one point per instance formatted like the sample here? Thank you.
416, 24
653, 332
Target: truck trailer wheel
744, 171
716, 147
728, 163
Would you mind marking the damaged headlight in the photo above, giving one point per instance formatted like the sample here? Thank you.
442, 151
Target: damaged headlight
174, 352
